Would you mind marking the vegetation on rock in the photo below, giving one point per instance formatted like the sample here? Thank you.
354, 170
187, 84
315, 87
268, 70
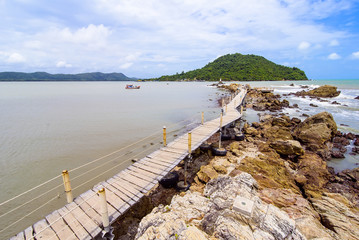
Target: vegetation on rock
238, 67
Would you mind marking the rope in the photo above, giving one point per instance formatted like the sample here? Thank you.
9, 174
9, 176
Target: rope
27, 215
21, 194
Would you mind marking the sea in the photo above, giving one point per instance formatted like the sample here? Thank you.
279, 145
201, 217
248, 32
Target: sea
96, 129
345, 114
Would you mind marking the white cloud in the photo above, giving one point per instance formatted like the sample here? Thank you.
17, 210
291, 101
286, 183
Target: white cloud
355, 55
334, 43
304, 45
126, 65
334, 56
15, 58
63, 64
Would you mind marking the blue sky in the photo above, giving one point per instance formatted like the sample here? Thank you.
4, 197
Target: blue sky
154, 37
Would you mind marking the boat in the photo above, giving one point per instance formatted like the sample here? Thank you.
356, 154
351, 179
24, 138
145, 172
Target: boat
130, 86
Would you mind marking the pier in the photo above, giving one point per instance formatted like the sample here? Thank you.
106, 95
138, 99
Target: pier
90, 214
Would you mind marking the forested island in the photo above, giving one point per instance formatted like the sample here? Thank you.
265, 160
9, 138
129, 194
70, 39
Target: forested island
43, 76
238, 67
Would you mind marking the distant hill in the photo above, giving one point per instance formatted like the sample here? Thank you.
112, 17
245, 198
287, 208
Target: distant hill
238, 67
43, 76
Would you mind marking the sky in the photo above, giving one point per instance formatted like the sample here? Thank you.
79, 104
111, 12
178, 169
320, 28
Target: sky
151, 38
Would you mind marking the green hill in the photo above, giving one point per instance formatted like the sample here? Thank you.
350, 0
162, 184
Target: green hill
238, 67
43, 76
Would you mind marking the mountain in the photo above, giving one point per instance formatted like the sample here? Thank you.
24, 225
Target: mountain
238, 67
44, 76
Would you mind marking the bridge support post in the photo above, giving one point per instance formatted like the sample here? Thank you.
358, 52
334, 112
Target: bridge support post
164, 136
67, 185
202, 121
104, 210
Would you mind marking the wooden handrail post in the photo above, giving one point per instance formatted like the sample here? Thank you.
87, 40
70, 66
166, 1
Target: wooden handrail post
189, 143
67, 185
104, 210
164, 136
220, 120
202, 121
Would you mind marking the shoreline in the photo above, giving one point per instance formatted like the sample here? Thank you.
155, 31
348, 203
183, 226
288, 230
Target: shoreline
293, 183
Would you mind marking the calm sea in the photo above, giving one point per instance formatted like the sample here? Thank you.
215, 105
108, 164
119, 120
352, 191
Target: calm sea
346, 114
46, 127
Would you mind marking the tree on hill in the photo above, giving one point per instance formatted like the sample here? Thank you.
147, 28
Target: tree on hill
238, 67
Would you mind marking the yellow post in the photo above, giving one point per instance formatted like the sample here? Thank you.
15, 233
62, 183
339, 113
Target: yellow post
189, 143
202, 121
67, 185
220, 121
164, 136
103, 209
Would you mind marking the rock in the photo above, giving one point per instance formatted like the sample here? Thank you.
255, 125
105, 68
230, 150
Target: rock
338, 215
206, 173
341, 140
315, 171
350, 136
313, 105
316, 130
337, 154
322, 91
335, 103
277, 133
356, 142
287, 147
220, 168
356, 97
193, 233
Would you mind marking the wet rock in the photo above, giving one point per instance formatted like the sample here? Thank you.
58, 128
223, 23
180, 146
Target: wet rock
356, 97
316, 130
356, 142
341, 140
335, 103
313, 105
322, 91
337, 154
287, 147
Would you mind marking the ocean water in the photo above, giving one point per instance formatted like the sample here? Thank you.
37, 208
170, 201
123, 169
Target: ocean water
46, 127
346, 115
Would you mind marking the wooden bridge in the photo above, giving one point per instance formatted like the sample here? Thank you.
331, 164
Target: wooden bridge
83, 218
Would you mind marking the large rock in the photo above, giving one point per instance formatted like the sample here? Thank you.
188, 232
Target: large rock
316, 130
323, 91
207, 173
339, 215
277, 133
287, 147
316, 174
213, 216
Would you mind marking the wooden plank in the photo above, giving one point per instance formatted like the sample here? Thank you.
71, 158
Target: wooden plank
144, 174
138, 183
76, 227
94, 201
150, 169
29, 233
44, 231
62, 230
91, 227
117, 185
160, 161
129, 187
19, 236
120, 194
152, 165
95, 216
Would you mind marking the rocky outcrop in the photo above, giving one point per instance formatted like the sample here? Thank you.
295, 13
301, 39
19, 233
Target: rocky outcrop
316, 130
216, 215
326, 91
287, 147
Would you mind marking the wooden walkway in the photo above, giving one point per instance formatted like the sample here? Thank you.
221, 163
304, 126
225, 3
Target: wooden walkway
81, 219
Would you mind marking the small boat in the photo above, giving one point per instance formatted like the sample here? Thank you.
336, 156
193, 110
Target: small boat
130, 86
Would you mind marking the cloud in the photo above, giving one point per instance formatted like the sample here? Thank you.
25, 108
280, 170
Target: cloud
334, 56
63, 64
126, 65
15, 58
334, 43
355, 55
304, 45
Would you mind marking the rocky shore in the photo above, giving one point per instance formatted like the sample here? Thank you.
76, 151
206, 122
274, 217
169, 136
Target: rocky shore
273, 184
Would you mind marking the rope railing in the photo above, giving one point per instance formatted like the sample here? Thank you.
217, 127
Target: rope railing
104, 161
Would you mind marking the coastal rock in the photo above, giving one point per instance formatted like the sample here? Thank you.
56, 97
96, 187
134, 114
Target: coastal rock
207, 173
287, 147
338, 215
212, 216
316, 130
322, 91
356, 97
337, 154
314, 169
277, 133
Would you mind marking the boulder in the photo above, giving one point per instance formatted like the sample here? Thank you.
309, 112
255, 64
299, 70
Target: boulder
287, 147
338, 215
207, 173
322, 91
316, 130
277, 133
315, 170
